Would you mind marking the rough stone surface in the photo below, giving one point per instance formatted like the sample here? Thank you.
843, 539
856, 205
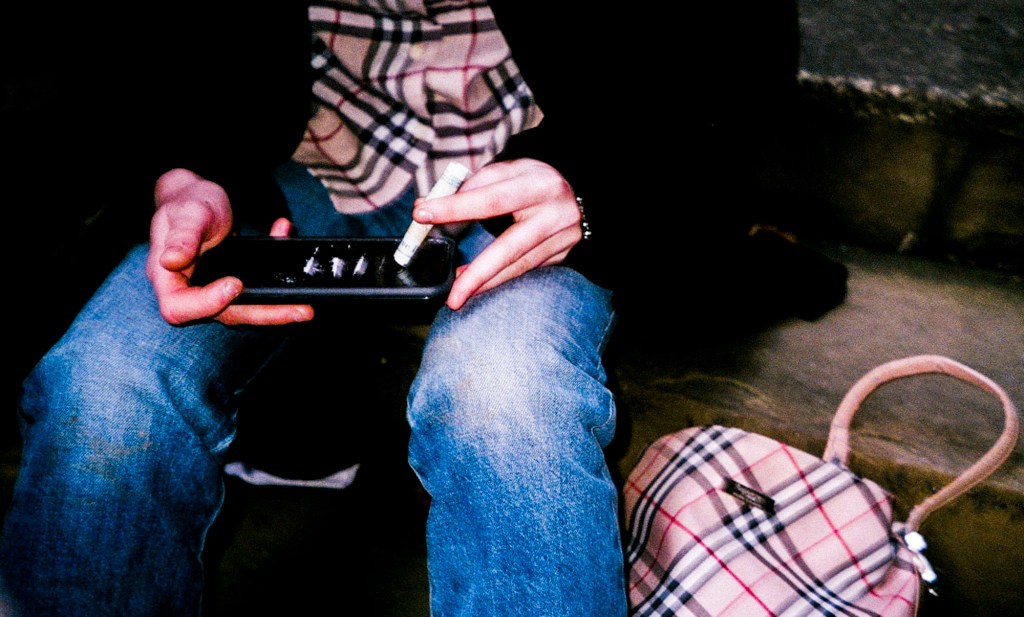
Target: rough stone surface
909, 131
920, 60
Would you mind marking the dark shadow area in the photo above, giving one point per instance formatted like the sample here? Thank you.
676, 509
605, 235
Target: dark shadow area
329, 401
311, 551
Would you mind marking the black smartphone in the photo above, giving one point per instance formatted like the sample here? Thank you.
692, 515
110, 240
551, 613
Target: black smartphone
309, 270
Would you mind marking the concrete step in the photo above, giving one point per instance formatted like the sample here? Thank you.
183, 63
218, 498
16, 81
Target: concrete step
908, 133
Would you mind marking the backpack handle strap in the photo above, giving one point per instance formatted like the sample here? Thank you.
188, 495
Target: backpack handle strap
837, 448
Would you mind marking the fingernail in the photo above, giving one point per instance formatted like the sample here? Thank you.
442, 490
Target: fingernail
424, 216
231, 289
455, 302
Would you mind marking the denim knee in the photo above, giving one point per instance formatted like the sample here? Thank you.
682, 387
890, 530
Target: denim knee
519, 367
509, 415
97, 411
109, 489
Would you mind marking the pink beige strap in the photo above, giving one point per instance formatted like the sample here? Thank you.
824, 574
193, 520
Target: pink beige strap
837, 448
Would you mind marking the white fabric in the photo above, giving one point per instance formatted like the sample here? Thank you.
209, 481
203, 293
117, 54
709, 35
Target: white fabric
258, 477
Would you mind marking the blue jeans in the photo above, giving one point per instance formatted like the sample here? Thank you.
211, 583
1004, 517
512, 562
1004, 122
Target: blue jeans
127, 420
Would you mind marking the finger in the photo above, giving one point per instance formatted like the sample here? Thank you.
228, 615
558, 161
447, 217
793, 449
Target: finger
468, 205
540, 236
180, 249
488, 271
500, 171
181, 304
185, 229
189, 304
281, 228
506, 275
495, 195
265, 315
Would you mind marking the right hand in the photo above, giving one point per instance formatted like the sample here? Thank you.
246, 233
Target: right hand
193, 215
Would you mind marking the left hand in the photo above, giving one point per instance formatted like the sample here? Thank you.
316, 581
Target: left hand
546, 222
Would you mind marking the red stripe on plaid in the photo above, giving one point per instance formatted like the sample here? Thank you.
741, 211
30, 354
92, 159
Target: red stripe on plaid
403, 90
835, 531
676, 523
697, 550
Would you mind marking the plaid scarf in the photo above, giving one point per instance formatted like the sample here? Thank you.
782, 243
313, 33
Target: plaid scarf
403, 87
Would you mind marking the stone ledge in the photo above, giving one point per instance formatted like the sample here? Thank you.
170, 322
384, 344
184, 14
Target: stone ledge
981, 111
909, 129
943, 53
